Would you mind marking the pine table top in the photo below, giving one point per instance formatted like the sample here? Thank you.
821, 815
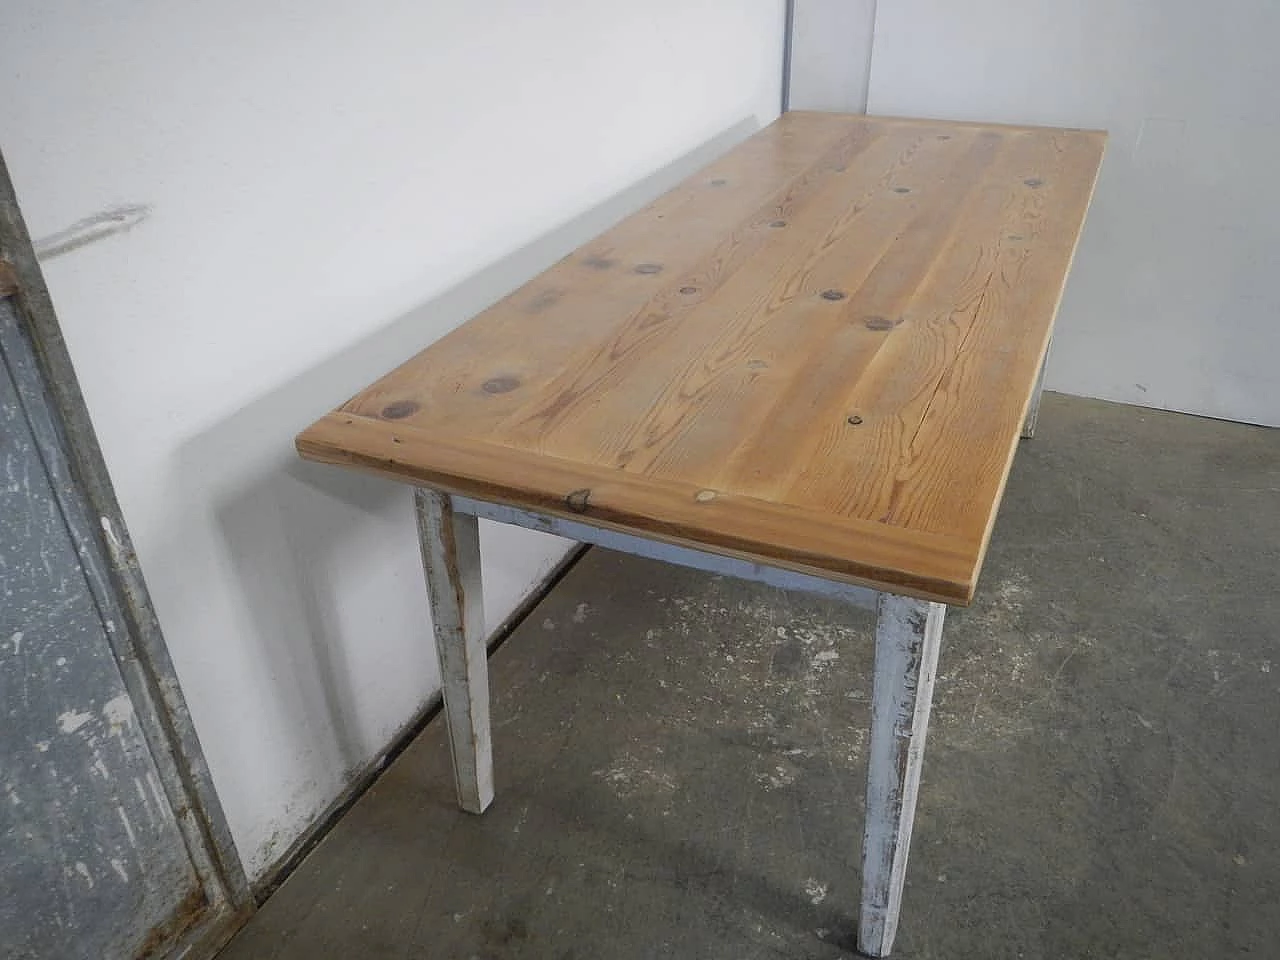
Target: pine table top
815, 353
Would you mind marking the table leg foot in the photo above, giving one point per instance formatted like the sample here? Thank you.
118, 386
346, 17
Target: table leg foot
1033, 411
908, 635
451, 555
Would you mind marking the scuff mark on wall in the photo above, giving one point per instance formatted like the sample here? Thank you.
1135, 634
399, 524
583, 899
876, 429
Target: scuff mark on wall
99, 226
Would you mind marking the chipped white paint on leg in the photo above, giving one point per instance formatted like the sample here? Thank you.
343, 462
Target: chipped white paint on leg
451, 554
1033, 409
908, 635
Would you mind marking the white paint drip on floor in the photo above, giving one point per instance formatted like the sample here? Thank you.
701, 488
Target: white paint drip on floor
71, 721
815, 891
580, 614
824, 657
782, 775
128, 827
631, 774
118, 711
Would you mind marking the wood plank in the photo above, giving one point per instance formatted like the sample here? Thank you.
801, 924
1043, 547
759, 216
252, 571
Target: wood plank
696, 401
595, 288
792, 444
920, 565
940, 321
833, 333
601, 406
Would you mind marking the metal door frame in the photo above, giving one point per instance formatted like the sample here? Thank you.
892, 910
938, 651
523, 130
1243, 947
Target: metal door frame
139, 651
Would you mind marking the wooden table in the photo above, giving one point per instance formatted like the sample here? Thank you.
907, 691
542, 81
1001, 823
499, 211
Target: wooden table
809, 364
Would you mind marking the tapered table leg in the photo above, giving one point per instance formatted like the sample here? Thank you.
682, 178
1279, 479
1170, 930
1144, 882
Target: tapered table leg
908, 635
451, 555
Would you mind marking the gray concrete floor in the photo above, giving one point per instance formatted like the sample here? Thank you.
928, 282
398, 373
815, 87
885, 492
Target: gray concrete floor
680, 758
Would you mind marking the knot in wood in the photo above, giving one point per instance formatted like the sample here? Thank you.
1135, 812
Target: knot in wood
881, 323
503, 384
399, 410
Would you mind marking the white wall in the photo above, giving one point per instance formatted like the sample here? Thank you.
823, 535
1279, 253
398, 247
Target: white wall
330, 187
1173, 301
831, 55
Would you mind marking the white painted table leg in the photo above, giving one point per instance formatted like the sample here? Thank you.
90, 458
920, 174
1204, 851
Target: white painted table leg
907, 639
1033, 411
451, 554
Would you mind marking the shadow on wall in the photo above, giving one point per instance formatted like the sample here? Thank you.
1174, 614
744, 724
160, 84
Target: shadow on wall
326, 559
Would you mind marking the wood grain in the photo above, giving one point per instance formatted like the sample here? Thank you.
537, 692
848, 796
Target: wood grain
657, 507
832, 334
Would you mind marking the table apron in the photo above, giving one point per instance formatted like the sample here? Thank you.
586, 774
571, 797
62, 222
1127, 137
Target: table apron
651, 549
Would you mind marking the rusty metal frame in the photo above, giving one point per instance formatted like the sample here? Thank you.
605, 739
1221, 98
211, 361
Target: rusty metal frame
140, 650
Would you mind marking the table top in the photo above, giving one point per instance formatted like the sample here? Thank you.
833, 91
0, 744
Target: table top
815, 353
